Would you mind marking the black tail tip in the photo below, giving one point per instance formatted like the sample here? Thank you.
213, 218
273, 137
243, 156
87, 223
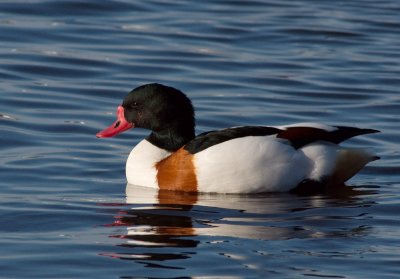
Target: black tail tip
371, 131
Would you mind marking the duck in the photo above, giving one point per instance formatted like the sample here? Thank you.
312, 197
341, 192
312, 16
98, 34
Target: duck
241, 159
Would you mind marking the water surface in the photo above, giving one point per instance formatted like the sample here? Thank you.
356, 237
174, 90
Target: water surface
66, 65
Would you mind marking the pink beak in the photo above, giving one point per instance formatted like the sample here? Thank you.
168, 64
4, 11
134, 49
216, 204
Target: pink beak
117, 127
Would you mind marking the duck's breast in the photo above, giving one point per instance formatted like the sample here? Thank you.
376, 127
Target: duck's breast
140, 166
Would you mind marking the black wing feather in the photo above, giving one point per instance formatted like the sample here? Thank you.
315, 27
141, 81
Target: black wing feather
208, 139
297, 136
301, 136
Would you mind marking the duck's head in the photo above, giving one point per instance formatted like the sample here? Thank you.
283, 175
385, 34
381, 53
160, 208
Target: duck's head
164, 110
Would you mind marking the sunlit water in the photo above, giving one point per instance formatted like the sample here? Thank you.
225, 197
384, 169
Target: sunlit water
66, 65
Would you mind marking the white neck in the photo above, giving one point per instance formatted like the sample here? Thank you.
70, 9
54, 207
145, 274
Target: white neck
140, 166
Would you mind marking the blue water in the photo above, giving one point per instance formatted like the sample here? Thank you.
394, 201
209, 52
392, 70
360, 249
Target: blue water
66, 65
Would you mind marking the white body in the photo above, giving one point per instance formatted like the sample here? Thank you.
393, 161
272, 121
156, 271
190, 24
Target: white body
250, 164
254, 164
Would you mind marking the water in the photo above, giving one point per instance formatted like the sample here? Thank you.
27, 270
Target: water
66, 65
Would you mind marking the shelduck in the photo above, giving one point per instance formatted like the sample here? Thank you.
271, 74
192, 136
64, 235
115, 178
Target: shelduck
245, 159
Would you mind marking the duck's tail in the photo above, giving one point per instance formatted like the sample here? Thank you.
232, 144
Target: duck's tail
350, 161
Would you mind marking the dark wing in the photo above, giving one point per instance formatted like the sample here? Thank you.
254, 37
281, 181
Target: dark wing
297, 136
301, 136
208, 139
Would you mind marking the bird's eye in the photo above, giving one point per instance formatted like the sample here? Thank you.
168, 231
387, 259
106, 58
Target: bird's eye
134, 105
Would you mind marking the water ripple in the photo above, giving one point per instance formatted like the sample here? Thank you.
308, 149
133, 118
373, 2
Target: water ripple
67, 64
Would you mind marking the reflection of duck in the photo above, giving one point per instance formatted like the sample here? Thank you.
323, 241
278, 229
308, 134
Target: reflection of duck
210, 214
231, 215
245, 159
166, 225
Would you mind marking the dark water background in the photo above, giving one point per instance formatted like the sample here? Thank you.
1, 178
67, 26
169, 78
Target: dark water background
65, 66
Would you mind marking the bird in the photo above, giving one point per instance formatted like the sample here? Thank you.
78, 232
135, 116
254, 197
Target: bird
241, 159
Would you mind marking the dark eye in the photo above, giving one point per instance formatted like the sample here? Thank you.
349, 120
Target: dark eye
133, 105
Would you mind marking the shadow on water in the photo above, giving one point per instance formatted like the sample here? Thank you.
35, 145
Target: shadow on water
163, 225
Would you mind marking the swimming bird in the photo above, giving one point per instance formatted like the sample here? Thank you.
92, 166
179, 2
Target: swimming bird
244, 159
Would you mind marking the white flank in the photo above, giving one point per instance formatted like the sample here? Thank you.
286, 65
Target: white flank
249, 165
323, 156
